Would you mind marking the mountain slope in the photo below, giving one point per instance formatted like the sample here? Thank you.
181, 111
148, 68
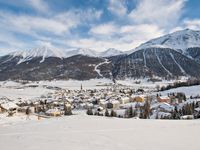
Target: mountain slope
162, 62
77, 67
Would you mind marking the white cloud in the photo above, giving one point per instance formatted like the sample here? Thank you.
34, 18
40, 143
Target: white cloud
39, 5
54, 29
149, 19
79, 16
117, 7
142, 32
192, 24
178, 28
125, 37
10, 43
104, 29
164, 13
58, 24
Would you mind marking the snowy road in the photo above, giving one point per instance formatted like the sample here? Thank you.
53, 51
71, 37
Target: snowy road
89, 132
98, 70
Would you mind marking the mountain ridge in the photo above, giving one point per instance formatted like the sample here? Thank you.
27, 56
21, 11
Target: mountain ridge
149, 60
46, 52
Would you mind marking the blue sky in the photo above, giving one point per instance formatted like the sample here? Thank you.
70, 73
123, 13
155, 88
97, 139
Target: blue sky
94, 24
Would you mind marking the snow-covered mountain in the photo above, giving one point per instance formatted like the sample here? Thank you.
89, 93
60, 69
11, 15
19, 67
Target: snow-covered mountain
92, 53
80, 51
170, 56
46, 52
43, 52
180, 40
111, 52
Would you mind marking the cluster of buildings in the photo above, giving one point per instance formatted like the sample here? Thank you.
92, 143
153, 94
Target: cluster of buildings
122, 101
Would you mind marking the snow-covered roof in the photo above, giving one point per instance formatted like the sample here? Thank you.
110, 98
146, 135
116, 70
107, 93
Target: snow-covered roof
115, 102
125, 98
164, 97
9, 105
165, 106
52, 111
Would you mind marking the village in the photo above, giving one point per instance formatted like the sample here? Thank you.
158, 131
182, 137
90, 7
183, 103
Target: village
113, 101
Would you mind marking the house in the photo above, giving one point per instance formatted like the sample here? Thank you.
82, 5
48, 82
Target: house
187, 117
53, 112
139, 98
120, 113
124, 100
103, 104
162, 107
8, 106
89, 106
174, 101
114, 104
163, 99
67, 109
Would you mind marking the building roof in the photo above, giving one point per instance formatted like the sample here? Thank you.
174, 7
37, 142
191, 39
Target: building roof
9, 105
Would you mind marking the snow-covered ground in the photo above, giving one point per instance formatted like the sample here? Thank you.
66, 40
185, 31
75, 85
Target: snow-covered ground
189, 91
81, 132
14, 91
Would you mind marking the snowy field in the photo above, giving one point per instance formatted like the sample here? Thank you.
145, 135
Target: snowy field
16, 91
189, 91
81, 132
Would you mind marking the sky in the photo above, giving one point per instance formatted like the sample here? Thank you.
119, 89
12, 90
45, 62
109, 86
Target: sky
93, 24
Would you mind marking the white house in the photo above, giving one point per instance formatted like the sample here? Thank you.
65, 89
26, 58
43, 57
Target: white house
8, 106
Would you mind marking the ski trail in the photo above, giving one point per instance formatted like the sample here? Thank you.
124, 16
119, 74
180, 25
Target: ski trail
162, 64
182, 70
98, 70
145, 62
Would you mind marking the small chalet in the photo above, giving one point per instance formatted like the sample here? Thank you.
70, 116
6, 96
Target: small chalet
163, 99
139, 98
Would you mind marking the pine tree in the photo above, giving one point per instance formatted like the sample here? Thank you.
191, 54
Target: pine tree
129, 112
157, 115
67, 110
113, 113
107, 113
134, 113
146, 110
89, 111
